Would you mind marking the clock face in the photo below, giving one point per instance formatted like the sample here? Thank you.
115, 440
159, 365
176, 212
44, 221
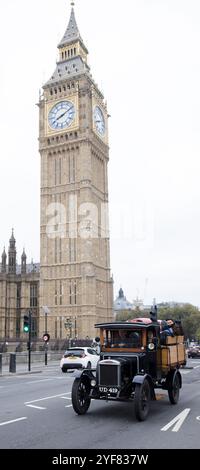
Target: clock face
61, 115
99, 120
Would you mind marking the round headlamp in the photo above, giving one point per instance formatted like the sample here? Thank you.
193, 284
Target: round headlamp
151, 346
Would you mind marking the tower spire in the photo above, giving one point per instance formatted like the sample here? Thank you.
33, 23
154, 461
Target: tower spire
3, 263
12, 254
23, 262
72, 60
72, 33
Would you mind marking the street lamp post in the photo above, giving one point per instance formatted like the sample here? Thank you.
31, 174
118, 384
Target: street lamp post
46, 311
75, 328
46, 344
29, 340
68, 326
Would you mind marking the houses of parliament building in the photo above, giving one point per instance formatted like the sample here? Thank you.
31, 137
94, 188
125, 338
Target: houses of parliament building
72, 280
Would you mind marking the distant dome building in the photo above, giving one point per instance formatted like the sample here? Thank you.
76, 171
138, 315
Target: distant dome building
121, 303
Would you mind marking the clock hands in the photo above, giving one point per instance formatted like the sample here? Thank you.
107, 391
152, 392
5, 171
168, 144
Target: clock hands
59, 117
67, 110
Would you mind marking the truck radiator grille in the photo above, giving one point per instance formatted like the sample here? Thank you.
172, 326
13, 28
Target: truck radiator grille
108, 374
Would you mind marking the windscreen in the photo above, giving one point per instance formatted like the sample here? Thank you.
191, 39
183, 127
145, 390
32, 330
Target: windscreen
74, 352
122, 338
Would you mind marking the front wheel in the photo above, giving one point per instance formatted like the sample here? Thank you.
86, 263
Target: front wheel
80, 396
173, 389
142, 400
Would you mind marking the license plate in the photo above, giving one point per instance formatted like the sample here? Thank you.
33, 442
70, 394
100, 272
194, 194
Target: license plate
72, 357
108, 389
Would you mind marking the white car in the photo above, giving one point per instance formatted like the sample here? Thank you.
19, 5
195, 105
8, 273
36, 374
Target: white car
79, 358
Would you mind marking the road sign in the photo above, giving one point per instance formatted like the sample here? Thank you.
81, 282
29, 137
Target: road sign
46, 337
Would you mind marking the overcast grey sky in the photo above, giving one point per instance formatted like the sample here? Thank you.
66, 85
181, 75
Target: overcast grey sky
145, 57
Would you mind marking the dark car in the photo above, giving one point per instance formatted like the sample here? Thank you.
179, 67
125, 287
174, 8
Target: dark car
133, 363
194, 351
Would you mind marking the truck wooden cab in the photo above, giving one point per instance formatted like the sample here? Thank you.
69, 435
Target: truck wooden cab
133, 363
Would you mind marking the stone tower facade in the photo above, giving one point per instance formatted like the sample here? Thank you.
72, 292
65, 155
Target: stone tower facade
75, 281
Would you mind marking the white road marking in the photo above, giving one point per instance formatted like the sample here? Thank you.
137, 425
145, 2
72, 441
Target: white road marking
198, 417
179, 419
59, 378
47, 398
38, 407
13, 421
51, 377
66, 398
37, 381
185, 371
67, 406
196, 367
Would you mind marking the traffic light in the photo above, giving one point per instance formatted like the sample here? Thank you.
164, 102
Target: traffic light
26, 324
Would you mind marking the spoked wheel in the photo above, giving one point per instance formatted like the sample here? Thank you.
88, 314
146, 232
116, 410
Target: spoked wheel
80, 396
173, 389
142, 400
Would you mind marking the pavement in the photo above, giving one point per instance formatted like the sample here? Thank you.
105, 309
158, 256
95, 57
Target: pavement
35, 368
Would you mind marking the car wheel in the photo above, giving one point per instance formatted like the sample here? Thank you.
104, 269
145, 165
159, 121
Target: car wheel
142, 400
80, 396
173, 389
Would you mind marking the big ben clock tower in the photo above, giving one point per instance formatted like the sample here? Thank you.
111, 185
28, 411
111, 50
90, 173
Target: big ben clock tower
75, 280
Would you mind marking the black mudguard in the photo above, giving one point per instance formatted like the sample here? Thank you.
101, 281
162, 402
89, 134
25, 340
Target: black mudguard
139, 379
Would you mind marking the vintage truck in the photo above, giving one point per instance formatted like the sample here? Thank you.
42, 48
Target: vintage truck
133, 363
